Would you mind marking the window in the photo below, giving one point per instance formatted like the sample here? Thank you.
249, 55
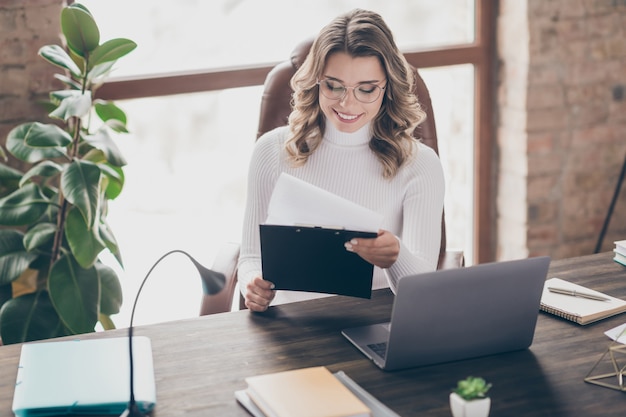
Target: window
192, 131
197, 34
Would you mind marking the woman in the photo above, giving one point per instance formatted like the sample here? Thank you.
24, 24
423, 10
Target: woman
350, 132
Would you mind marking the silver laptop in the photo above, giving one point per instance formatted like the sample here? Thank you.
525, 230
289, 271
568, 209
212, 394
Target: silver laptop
456, 314
83, 377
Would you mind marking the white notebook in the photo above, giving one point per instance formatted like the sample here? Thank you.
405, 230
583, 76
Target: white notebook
578, 309
83, 377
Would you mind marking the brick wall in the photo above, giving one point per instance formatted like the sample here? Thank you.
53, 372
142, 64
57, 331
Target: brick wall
561, 128
25, 26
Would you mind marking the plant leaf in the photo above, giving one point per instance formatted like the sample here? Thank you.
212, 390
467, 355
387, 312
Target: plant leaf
106, 234
59, 95
6, 293
115, 180
39, 236
83, 240
99, 73
111, 50
8, 173
75, 294
108, 110
110, 290
45, 169
46, 136
103, 141
9, 179
80, 30
80, 183
106, 322
117, 126
78, 60
77, 105
68, 81
94, 155
56, 55
14, 259
81, 6
29, 317
23, 206
18, 146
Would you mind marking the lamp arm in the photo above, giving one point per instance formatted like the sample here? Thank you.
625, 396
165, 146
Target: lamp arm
213, 282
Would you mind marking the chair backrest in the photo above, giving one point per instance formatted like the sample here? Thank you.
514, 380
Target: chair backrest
276, 106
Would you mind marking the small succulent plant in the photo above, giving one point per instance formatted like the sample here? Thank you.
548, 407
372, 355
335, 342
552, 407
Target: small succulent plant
472, 388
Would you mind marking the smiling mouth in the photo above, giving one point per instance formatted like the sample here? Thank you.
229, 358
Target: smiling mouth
346, 117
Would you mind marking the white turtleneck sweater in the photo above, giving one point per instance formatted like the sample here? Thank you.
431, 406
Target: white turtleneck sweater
411, 202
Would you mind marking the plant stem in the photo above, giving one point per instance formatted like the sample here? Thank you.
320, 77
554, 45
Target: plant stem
62, 214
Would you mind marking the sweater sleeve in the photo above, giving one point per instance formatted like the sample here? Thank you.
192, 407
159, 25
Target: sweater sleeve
422, 210
262, 176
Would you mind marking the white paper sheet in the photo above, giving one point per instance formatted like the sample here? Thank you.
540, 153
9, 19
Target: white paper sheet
617, 333
296, 202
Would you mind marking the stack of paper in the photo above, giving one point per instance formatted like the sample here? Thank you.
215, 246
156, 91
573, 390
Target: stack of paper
296, 202
617, 333
620, 252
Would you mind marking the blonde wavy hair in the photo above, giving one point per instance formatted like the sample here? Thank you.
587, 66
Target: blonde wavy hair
359, 33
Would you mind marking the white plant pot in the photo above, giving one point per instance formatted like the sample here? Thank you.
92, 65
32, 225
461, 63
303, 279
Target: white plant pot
473, 408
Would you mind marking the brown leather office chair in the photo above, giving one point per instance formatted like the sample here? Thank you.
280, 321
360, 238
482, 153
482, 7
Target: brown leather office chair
275, 108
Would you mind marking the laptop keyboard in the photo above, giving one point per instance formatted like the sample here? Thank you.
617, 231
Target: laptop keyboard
379, 348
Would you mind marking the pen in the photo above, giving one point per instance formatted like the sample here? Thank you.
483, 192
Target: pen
575, 293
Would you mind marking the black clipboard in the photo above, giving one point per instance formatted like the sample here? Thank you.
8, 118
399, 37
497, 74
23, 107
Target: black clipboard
314, 259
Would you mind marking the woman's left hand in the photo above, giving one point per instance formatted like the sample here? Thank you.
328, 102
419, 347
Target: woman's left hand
382, 251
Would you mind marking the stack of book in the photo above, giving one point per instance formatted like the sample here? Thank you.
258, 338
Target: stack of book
620, 252
309, 392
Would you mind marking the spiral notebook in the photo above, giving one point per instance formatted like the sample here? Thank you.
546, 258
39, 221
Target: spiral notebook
579, 309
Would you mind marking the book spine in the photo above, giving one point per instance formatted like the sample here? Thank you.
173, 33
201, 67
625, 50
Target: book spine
619, 258
560, 313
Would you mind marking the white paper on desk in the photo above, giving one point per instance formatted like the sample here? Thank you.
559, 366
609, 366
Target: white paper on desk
295, 202
617, 333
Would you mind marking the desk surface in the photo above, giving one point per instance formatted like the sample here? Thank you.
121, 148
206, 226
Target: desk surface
201, 362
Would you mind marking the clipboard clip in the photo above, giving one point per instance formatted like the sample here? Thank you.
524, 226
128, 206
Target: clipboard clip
313, 226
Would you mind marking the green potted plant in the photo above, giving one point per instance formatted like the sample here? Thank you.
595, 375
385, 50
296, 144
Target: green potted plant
53, 215
469, 398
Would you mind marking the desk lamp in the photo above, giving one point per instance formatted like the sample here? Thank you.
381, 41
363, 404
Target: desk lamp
213, 282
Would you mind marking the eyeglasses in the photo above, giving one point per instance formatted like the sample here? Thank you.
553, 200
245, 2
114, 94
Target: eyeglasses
365, 93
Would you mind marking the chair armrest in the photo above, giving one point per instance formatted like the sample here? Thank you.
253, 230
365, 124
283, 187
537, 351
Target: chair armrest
225, 263
451, 259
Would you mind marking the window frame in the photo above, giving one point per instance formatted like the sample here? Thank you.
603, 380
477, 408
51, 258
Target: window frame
480, 54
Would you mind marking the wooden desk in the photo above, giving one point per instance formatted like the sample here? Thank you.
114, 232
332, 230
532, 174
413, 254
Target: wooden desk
201, 362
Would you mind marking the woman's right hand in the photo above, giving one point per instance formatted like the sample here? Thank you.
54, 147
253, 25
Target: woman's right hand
259, 294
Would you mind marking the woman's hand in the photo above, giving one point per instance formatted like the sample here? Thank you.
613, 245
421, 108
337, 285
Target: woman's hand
259, 294
382, 251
